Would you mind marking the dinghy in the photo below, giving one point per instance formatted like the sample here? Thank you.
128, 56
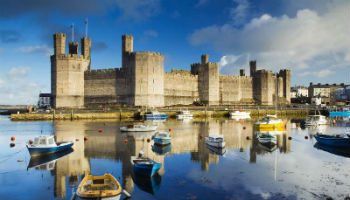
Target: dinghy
138, 128
99, 187
162, 138
43, 145
215, 141
267, 139
270, 122
145, 166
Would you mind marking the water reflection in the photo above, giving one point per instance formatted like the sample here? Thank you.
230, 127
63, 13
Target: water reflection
188, 156
47, 162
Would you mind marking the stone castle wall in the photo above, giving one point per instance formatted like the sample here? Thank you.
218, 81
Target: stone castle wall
180, 87
236, 89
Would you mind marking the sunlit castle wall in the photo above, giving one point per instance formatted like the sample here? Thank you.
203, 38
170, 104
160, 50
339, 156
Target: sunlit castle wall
180, 87
236, 89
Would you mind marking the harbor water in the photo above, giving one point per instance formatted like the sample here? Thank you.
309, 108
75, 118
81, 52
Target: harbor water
297, 168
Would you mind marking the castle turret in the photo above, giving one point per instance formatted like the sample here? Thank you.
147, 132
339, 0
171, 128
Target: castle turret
86, 49
59, 43
285, 74
252, 65
73, 48
127, 48
242, 72
204, 59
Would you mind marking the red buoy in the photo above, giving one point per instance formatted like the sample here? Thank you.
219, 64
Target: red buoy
100, 130
30, 141
148, 140
85, 139
244, 128
13, 138
289, 138
248, 138
125, 141
170, 130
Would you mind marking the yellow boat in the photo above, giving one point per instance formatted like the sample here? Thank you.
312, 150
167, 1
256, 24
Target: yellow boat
270, 123
99, 187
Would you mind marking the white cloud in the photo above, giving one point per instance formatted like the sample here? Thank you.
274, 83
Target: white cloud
240, 11
307, 42
17, 88
320, 74
36, 49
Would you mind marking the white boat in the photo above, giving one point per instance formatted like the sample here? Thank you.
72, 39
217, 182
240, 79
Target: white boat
241, 114
316, 120
267, 139
138, 128
155, 115
215, 141
162, 138
46, 144
184, 114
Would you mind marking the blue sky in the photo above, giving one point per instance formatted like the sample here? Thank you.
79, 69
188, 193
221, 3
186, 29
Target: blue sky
312, 38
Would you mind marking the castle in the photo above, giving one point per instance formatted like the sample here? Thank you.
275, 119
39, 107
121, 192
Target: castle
142, 81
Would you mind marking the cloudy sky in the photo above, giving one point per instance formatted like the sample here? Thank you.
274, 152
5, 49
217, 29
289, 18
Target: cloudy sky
312, 38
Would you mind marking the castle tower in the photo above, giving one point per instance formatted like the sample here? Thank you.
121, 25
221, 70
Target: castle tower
241, 72
127, 48
252, 65
86, 49
286, 76
67, 74
264, 87
59, 43
208, 81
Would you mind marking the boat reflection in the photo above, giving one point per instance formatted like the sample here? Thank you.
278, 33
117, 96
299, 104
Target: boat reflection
148, 184
47, 162
267, 147
161, 150
215, 150
344, 152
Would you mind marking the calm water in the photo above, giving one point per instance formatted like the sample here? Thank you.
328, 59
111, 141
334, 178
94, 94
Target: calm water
295, 170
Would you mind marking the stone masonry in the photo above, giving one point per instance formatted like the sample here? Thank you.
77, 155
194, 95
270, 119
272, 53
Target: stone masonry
141, 80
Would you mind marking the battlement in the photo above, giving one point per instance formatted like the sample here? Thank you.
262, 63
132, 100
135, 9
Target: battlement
70, 57
147, 53
185, 74
230, 77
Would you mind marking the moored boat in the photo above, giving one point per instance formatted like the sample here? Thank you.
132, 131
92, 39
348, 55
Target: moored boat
138, 128
240, 114
316, 120
215, 141
155, 115
270, 122
184, 114
43, 145
162, 138
48, 161
267, 139
99, 187
216, 150
145, 166
342, 141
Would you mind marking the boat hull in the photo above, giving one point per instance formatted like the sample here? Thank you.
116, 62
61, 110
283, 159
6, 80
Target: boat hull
333, 141
216, 144
104, 198
339, 114
156, 117
147, 170
269, 127
38, 151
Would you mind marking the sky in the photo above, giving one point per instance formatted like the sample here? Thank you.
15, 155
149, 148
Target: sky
311, 38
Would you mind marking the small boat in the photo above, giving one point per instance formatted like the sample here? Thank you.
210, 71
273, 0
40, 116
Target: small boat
240, 114
99, 187
155, 115
215, 150
344, 152
215, 141
342, 141
138, 128
161, 150
145, 166
184, 114
316, 120
267, 148
46, 145
48, 161
162, 138
267, 139
270, 122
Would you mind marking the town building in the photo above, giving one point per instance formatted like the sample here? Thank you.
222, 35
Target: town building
142, 80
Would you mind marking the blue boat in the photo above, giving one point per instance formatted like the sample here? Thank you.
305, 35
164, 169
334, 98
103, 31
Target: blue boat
162, 138
344, 152
161, 150
44, 145
145, 166
333, 140
155, 115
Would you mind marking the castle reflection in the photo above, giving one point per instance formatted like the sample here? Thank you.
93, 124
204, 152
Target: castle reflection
112, 145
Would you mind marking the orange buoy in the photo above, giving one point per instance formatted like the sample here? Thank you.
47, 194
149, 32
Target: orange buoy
148, 140
100, 130
85, 139
248, 138
244, 127
170, 130
13, 138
